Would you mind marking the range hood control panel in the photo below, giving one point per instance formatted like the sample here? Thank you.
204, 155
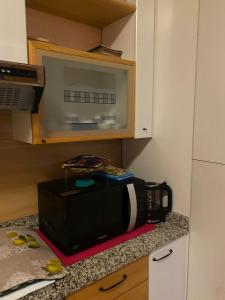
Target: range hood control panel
15, 72
21, 86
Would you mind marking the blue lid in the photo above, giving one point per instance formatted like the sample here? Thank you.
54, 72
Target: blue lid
82, 183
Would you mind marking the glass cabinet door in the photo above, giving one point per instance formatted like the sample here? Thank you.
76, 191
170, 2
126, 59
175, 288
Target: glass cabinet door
85, 97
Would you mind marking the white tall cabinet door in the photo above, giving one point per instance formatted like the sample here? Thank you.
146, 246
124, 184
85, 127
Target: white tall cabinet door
167, 271
209, 138
13, 40
134, 35
207, 242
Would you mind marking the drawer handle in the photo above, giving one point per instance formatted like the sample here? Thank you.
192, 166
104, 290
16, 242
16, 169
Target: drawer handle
102, 289
163, 257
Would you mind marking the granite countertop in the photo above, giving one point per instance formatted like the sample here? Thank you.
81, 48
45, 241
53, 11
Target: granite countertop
100, 265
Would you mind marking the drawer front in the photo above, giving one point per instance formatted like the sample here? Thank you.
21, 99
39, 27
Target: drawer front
115, 284
140, 292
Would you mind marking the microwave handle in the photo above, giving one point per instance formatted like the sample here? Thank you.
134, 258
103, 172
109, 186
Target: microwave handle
133, 206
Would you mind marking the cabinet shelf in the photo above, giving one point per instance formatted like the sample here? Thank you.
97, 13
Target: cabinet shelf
93, 12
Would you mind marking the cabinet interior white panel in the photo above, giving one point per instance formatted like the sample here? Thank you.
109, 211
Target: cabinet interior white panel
121, 35
13, 43
134, 35
209, 140
168, 155
207, 243
167, 277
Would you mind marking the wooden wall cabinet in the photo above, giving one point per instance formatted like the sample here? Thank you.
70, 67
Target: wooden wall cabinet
87, 97
125, 29
128, 283
93, 12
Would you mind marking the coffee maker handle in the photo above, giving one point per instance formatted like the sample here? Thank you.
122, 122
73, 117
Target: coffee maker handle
169, 192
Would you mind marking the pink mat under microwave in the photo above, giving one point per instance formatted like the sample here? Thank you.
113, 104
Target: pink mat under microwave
69, 260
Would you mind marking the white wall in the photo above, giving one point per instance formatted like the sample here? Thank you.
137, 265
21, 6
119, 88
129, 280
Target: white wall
168, 156
61, 31
13, 44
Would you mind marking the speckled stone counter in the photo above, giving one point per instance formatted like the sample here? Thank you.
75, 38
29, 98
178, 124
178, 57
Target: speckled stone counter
100, 265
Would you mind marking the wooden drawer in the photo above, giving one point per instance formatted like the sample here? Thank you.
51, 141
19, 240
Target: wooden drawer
140, 292
129, 276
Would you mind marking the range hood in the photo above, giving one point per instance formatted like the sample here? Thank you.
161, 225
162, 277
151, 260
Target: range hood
21, 86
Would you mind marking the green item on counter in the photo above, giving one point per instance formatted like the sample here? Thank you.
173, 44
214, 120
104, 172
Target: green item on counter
11, 234
19, 242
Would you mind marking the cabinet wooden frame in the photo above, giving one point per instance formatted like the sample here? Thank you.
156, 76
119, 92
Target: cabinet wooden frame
35, 51
93, 12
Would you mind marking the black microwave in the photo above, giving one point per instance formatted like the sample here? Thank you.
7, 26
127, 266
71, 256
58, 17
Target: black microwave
76, 219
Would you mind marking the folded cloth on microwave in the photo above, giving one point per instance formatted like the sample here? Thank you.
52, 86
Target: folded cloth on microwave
86, 161
114, 173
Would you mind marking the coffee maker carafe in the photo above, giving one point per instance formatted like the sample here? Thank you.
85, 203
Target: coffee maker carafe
159, 201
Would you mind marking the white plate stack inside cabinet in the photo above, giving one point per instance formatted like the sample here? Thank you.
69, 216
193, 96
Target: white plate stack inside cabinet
134, 35
167, 271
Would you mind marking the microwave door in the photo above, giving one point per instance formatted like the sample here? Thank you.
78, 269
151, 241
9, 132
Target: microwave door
133, 206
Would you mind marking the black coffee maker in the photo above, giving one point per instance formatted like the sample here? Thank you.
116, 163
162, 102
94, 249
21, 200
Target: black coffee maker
159, 201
